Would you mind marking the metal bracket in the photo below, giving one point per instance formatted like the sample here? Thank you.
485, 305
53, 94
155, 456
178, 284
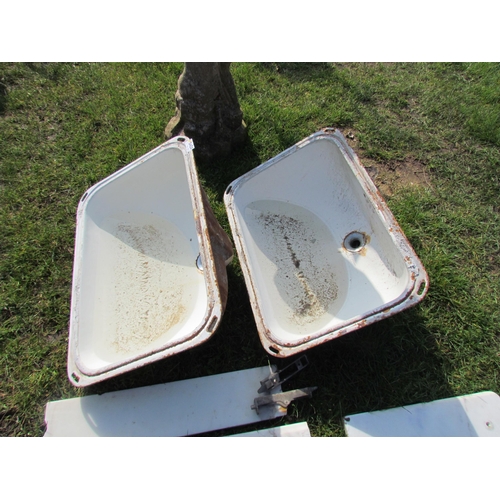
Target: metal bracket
282, 399
274, 380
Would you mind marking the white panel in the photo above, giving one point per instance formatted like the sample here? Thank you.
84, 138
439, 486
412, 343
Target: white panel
300, 429
179, 408
476, 415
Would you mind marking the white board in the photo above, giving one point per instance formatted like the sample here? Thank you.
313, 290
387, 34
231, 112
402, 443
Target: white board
181, 408
475, 415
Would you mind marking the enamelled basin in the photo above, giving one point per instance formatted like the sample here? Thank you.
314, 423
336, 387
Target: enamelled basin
321, 253
149, 275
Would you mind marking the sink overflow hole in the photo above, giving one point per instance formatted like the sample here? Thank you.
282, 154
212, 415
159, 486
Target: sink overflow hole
199, 264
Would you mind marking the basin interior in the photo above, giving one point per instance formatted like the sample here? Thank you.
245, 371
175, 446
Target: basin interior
139, 288
293, 216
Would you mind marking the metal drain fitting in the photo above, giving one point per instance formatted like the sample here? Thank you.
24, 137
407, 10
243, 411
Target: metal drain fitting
355, 241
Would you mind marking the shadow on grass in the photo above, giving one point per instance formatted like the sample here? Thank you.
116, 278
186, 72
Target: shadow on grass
392, 363
3, 98
219, 173
51, 71
300, 71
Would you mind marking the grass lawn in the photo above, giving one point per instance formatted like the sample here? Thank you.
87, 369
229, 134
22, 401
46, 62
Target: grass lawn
429, 135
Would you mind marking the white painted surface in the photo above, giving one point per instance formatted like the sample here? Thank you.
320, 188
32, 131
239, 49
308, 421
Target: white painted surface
137, 294
475, 415
300, 429
179, 408
290, 218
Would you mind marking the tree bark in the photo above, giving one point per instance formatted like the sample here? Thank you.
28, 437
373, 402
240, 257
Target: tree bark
208, 111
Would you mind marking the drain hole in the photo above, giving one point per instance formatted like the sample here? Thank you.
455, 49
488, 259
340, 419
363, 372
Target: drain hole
75, 377
354, 241
273, 349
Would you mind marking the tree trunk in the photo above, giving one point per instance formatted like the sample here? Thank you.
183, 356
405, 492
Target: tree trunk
208, 111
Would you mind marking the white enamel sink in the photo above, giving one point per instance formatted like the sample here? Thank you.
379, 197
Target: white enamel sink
321, 253
138, 294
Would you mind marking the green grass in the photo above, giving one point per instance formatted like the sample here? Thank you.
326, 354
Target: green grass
63, 127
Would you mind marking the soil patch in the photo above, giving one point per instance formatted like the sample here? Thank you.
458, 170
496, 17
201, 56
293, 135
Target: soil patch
393, 175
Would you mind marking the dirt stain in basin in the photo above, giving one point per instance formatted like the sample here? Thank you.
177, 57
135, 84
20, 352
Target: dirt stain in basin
300, 258
153, 277
293, 255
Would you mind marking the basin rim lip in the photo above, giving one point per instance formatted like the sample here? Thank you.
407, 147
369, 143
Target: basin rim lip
213, 312
415, 269
407, 299
404, 301
85, 380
